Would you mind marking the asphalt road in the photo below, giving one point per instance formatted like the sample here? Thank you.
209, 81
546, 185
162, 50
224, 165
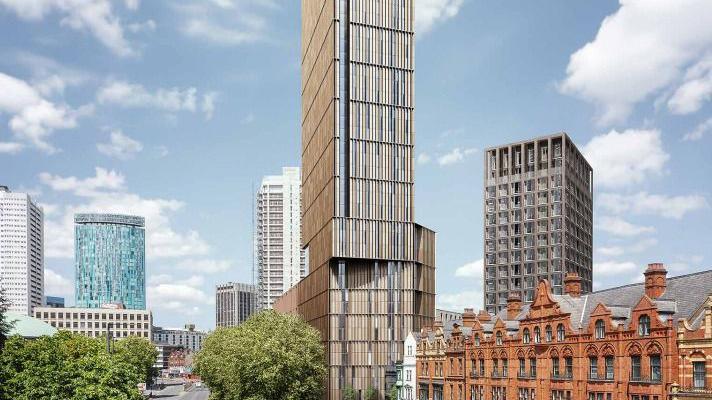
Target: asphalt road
175, 392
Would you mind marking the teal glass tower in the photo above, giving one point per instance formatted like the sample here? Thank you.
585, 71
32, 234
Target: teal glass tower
109, 261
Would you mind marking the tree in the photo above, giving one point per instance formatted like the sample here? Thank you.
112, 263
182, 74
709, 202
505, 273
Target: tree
140, 354
349, 393
5, 324
370, 394
393, 393
271, 356
65, 366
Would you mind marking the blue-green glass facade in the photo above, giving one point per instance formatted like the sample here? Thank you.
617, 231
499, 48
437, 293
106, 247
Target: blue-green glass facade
109, 261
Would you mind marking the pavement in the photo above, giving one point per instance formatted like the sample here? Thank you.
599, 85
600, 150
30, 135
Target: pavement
175, 392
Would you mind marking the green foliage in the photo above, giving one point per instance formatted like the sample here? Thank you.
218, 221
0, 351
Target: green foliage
5, 325
370, 394
393, 393
140, 354
69, 366
271, 356
349, 393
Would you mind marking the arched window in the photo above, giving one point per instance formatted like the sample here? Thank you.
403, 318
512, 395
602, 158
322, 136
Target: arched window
548, 333
560, 333
525, 336
600, 329
644, 325
537, 335
477, 339
499, 339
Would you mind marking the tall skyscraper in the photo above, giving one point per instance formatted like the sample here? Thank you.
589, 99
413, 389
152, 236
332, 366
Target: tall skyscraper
371, 268
234, 303
280, 258
538, 212
21, 251
109, 261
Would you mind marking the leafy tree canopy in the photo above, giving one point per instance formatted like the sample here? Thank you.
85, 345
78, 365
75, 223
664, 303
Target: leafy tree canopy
71, 366
271, 356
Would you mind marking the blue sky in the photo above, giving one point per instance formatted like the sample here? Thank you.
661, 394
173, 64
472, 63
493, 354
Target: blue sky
174, 110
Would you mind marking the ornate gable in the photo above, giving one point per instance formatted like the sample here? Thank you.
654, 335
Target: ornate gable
544, 304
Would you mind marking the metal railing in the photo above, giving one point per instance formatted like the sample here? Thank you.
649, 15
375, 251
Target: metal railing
646, 379
599, 378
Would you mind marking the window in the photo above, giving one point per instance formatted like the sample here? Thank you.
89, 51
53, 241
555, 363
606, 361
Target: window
525, 337
505, 367
410, 350
522, 367
698, 374
569, 365
555, 366
532, 367
593, 367
655, 368
482, 367
548, 333
644, 325
477, 339
499, 338
560, 333
609, 367
635, 367
537, 335
600, 329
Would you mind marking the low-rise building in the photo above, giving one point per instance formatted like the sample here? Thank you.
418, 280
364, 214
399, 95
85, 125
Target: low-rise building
446, 315
635, 342
188, 338
407, 391
96, 322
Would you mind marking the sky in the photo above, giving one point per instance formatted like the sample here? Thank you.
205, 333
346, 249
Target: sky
174, 110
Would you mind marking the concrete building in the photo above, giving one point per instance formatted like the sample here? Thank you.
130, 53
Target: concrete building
109, 261
538, 218
279, 255
234, 303
96, 322
54, 302
445, 315
21, 251
371, 267
188, 338
642, 341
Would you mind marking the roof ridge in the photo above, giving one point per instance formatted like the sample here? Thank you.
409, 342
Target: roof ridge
641, 283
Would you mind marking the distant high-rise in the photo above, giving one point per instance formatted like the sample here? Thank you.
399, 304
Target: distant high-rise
279, 254
234, 303
21, 251
538, 208
371, 268
109, 261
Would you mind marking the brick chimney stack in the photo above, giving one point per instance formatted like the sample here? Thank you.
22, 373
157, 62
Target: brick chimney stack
655, 280
514, 306
468, 318
572, 284
483, 316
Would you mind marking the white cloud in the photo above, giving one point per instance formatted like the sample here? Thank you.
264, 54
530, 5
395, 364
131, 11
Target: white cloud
699, 131
457, 155
620, 227
225, 22
639, 50
696, 89
10, 147
34, 119
177, 297
423, 158
218, 34
638, 247
106, 192
120, 146
614, 268
429, 13
471, 270
133, 95
623, 158
459, 301
57, 285
95, 16
248, 119
204, 265
642, 203
49, 77
146, 26
132, 4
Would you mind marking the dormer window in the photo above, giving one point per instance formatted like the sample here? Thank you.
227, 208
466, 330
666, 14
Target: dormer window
560, 333
600, 329
644, 325
537, 335
499, 339
525, 336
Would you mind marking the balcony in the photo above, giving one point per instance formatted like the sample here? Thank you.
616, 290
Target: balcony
699, 392
565, 376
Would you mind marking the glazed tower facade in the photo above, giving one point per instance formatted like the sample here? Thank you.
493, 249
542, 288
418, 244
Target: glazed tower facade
371, 268
538, 214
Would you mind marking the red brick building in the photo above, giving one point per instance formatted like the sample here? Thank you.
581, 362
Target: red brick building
614, 344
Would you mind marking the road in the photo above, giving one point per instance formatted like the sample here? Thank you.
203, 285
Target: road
175, 392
